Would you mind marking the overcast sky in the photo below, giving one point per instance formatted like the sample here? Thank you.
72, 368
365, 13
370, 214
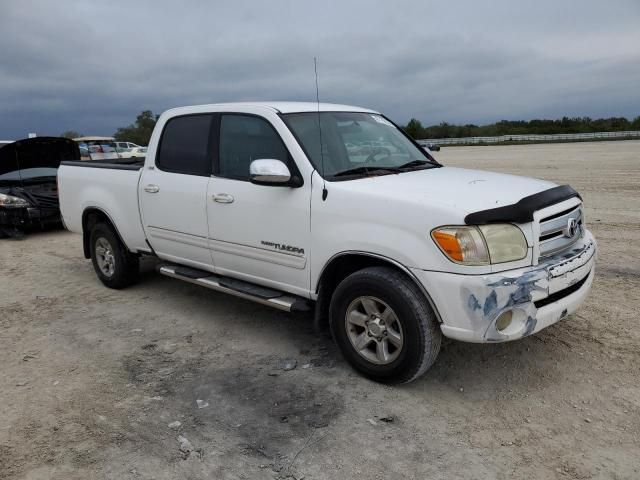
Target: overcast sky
92, 66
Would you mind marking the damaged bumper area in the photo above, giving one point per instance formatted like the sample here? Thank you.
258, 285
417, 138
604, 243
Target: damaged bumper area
509, 305
14, 220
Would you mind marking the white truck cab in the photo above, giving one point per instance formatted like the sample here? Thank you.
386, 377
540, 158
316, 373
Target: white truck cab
333, 207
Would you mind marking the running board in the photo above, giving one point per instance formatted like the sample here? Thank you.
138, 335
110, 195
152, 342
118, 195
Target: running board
238, 288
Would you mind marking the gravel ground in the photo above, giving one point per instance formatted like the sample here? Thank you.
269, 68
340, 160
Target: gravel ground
94, 381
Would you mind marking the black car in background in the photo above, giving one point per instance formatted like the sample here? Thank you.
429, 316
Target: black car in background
28, 189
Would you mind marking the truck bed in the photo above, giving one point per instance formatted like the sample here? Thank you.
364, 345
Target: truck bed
110, 186
116, 164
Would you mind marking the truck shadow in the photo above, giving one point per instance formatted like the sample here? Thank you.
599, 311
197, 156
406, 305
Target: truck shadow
535, 360
227, 379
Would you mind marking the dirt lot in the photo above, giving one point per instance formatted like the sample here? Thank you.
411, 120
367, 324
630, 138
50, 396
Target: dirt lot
91, 378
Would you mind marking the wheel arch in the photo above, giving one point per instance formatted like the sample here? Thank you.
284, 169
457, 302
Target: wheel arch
343, 264
90, 217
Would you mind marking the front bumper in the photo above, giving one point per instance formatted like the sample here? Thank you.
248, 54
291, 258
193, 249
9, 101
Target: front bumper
28, 217
539, 296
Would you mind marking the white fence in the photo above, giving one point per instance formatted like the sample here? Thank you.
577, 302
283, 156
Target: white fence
533, 138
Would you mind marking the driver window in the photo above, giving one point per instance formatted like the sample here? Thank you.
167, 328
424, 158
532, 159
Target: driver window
243, 139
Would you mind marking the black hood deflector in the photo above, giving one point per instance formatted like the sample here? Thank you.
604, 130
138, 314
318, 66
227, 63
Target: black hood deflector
522, 212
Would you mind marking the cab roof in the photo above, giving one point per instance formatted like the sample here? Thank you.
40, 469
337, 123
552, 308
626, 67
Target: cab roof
292, 107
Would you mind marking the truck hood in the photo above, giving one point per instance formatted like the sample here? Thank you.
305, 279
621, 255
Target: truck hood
25, 161
460, 189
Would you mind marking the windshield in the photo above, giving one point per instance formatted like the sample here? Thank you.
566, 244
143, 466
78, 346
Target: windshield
366, 142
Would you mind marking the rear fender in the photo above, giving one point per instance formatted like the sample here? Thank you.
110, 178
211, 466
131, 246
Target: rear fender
90, 217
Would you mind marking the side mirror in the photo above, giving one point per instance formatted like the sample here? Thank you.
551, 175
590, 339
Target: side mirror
269, 172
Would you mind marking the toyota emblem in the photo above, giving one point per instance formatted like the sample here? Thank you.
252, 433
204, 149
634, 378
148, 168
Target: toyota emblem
572, 228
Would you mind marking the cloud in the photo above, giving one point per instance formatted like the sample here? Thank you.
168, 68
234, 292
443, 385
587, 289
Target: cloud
93, 66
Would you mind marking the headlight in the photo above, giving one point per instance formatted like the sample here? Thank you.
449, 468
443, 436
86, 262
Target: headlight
482, 245
9, 201
506, 242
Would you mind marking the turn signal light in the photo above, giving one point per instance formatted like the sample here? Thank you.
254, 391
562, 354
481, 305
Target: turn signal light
449, 244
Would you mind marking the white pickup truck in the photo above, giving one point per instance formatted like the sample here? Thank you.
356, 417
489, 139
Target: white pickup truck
300, 205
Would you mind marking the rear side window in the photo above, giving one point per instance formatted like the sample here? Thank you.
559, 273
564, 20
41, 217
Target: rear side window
184, 145
243, 139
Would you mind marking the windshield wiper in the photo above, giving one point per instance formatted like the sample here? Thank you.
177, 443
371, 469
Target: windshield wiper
416, 163
367, 171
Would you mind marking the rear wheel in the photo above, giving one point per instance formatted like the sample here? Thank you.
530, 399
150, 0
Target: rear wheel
115, 266
384, 326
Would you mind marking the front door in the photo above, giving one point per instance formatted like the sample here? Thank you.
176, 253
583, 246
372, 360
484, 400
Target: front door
257, 233
173, 192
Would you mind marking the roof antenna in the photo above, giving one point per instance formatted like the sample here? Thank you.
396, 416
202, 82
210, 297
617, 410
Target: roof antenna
324, 183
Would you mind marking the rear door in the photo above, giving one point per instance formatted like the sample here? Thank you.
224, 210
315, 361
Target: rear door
257, 233
173, 191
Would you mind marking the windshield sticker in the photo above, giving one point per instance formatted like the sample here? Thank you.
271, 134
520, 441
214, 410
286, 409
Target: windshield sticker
382, 120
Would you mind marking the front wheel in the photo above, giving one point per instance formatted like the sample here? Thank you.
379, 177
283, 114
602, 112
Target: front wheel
384, 326
115, 266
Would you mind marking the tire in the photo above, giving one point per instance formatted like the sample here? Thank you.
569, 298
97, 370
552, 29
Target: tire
116, 267
406, 356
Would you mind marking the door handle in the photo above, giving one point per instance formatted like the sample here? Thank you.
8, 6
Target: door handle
223, 198
152, 189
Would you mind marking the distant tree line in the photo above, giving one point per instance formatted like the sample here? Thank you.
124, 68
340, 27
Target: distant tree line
139, 132
522, 127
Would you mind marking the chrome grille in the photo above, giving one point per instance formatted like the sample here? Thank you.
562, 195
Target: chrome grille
561, 230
